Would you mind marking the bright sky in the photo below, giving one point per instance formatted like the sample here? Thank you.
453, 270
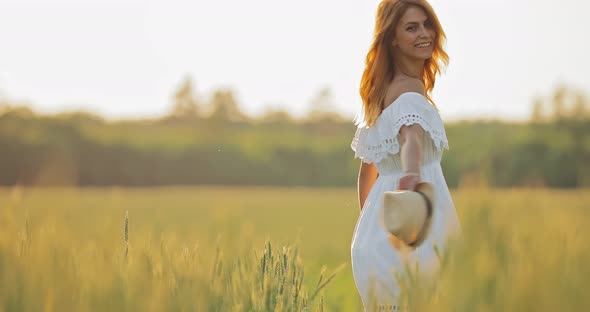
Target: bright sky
124, 58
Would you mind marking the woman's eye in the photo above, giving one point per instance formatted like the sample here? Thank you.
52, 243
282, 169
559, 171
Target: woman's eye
411, 28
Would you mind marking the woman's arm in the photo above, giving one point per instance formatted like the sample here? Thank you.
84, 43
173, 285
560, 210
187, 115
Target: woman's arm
367, 176
411, 156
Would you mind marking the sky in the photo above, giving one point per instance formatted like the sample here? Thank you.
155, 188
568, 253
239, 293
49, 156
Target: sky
125, 58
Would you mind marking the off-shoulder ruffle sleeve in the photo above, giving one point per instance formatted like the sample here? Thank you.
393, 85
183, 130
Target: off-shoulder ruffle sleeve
374, 143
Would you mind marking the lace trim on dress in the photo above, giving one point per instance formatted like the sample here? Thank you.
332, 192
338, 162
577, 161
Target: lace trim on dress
374, 143
372, 152
438, 137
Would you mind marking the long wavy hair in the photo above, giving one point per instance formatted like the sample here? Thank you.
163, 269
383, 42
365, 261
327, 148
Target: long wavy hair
379, 62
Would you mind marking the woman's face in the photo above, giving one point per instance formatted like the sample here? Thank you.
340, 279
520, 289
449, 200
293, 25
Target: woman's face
414, 35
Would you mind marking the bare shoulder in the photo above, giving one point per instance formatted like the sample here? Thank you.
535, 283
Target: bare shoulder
400, 86
410, 85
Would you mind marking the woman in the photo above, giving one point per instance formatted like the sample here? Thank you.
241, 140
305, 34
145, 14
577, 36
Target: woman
400, 140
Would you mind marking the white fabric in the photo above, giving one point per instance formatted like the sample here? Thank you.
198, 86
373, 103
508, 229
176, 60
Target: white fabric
374, 260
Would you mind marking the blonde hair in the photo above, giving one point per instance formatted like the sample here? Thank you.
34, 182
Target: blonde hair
379, 60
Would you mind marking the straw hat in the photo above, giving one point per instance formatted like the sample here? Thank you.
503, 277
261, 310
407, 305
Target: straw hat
407, 214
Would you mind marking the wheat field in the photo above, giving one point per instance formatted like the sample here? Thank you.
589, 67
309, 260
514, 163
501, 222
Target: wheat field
275, 249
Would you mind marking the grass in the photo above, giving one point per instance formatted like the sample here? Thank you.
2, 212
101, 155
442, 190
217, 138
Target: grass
275, 249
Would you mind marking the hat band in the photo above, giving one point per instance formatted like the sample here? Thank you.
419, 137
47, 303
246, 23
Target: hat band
422, 232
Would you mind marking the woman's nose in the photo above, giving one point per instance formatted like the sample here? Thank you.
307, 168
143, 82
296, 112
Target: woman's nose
424, 33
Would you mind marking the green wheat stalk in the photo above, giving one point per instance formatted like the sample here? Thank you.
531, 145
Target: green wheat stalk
126, 233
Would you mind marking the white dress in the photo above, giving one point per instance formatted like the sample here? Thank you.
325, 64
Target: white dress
374, 260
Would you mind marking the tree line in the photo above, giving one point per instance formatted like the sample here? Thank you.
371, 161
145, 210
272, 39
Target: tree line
224, 146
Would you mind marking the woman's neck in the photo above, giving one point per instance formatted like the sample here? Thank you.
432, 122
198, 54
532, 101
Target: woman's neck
409, 68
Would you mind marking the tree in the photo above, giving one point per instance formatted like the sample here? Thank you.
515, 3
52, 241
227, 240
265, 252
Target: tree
581, 109
559, 109
225, 107
537, 114
185, 105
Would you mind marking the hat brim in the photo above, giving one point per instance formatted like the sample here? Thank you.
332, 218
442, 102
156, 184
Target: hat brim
426, 189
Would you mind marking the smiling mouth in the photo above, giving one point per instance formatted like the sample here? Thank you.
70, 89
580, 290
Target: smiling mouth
423, 45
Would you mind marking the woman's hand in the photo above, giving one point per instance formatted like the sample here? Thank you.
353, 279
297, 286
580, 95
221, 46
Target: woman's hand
408, 181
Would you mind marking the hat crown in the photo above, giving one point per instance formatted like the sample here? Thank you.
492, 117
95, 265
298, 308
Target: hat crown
406, 214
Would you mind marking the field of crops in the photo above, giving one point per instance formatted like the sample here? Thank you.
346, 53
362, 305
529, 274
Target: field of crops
274, 249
